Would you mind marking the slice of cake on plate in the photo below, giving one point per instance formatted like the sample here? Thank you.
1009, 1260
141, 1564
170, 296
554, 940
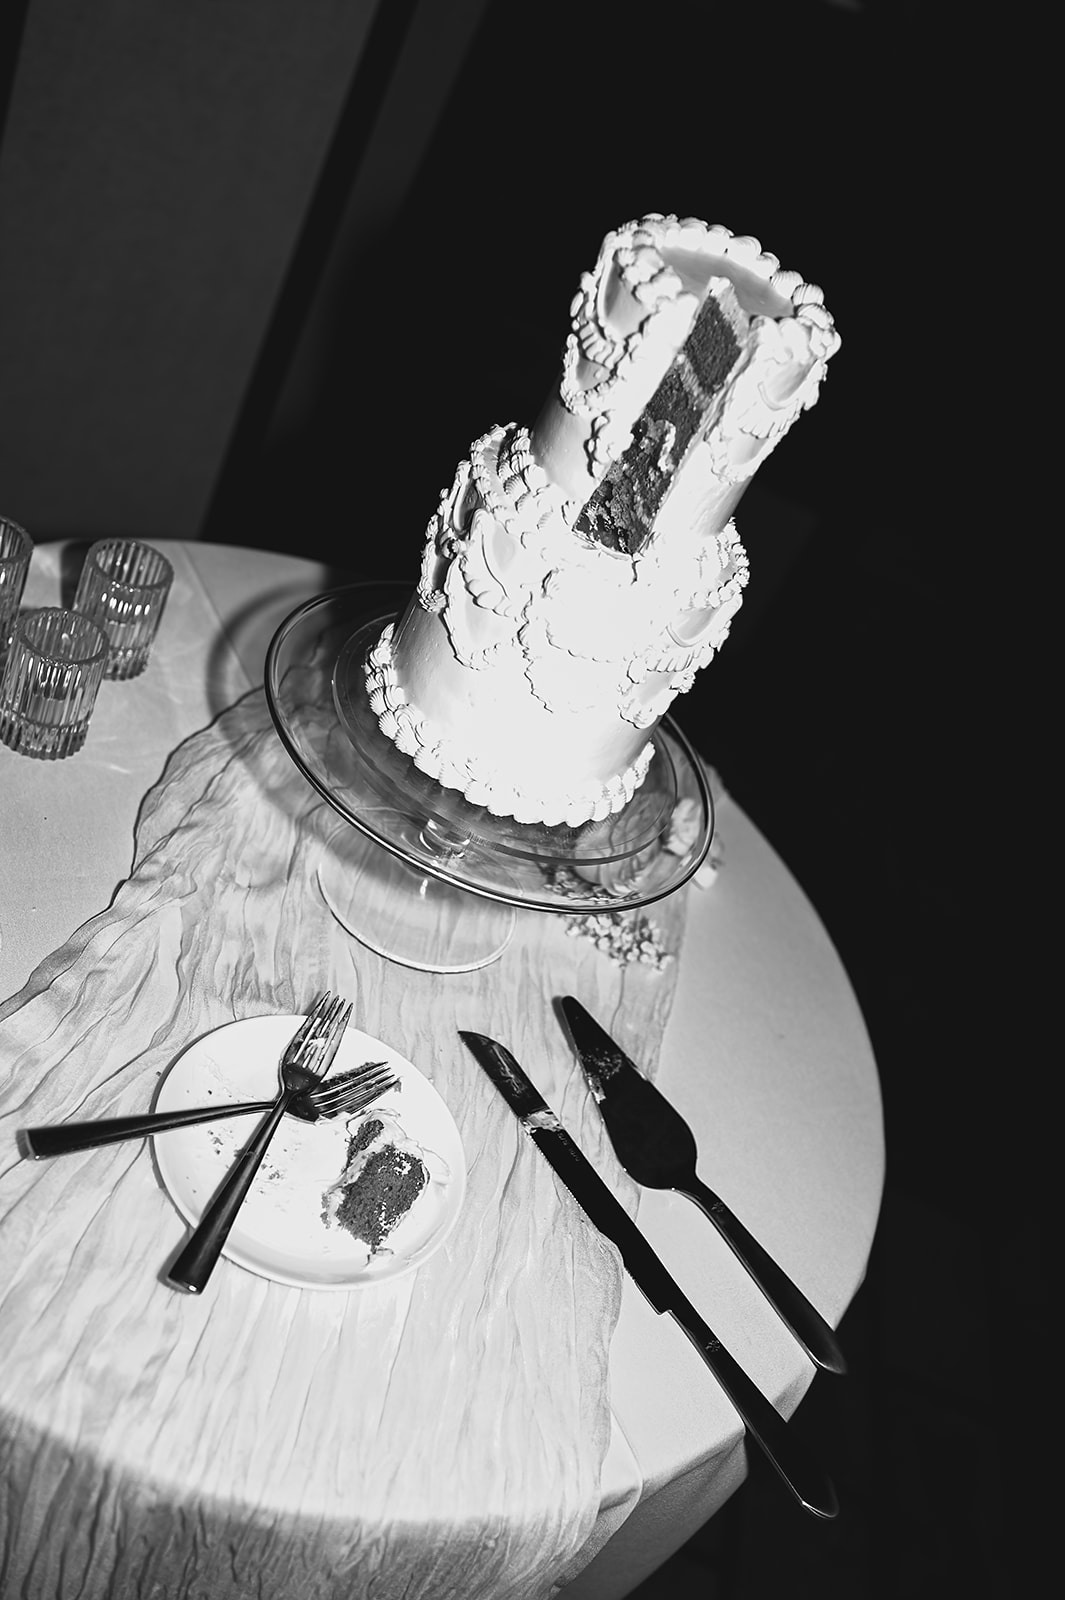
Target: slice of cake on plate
382, 1178
578, 574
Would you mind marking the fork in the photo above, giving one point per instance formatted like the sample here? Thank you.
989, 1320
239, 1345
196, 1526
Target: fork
327, 1100
303, 1065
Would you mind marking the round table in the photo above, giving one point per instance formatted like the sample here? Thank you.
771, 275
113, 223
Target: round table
765, 1053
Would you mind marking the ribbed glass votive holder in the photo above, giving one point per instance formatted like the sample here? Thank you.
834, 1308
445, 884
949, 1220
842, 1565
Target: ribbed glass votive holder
54, 668
16, 548
123, 587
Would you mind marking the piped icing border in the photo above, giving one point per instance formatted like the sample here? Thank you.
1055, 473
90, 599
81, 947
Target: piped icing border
509, 489
476, 779
598, 362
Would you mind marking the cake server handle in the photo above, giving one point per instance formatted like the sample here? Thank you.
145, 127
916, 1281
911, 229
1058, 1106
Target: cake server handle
796, 1312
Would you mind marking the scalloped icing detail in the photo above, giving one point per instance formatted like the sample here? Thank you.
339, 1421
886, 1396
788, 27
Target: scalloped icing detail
476, 779
631, 258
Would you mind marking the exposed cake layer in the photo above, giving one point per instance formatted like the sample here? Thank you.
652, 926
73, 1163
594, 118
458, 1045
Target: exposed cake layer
631, 317
575, 578
382, 1178
622, 511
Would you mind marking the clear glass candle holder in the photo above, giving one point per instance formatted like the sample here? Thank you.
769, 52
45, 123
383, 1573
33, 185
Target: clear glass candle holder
54, 668
123, 588
16, 548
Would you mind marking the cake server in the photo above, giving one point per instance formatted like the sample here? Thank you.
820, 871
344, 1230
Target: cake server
656, 1147
804, 1478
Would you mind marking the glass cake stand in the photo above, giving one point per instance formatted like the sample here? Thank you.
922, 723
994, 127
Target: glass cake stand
415, 872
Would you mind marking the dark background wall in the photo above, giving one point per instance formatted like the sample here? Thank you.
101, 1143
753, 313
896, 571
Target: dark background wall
362, 229
170, 181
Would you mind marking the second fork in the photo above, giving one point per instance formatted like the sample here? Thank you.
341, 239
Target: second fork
303, 1065
326, 1100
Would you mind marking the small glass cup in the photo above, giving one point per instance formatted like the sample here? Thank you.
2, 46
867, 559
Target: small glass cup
123, 587
53, 671
16, 548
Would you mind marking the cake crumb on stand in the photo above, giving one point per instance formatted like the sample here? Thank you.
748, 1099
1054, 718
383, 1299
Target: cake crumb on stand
624, 936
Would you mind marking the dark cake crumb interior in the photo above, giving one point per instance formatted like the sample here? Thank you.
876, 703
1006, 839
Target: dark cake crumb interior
620, 514
385, 1190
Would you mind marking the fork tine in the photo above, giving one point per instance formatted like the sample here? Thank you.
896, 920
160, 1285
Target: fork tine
354, 1095
368, 1080
319, 1033
328, 1045
359, 1102
357, 1097
328, 1097
309, 1022
352, 1079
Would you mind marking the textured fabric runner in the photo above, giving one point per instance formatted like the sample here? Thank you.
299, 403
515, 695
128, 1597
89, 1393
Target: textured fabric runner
438, 1436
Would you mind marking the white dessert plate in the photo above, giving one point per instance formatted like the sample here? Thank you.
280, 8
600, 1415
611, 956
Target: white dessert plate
279, 1232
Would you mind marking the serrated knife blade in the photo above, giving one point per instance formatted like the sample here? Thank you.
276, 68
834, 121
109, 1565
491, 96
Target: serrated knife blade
805, 1479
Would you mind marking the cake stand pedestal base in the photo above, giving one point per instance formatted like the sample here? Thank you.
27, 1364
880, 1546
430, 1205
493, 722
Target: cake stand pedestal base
406, 915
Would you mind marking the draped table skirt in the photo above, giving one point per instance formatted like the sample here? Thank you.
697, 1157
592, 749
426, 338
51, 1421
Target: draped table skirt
764, 1051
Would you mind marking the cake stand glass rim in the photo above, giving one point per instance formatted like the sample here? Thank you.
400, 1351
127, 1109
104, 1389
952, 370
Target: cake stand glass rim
394, 594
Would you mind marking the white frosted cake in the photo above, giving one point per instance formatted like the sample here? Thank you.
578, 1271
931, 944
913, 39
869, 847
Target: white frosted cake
577, 574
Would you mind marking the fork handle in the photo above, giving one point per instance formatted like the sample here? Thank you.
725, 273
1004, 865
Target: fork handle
67, 1137
195, 1263
787, 1299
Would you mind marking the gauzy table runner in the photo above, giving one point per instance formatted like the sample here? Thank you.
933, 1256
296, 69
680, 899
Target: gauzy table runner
441, 1435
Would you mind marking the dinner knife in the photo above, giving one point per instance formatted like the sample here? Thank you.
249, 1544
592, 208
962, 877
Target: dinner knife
806, 1480
656, 1147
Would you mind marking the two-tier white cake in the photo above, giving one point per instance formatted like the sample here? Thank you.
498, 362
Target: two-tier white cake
577, 574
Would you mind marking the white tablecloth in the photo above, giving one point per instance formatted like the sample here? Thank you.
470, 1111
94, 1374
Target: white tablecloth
765, 1053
